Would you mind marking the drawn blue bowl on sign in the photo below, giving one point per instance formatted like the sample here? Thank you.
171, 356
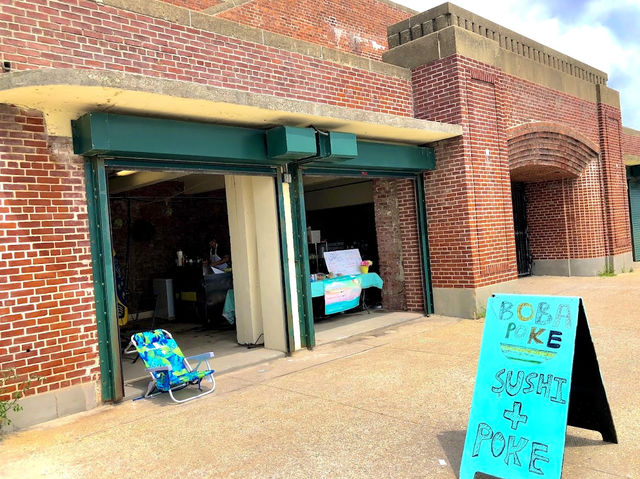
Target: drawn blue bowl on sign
525, 354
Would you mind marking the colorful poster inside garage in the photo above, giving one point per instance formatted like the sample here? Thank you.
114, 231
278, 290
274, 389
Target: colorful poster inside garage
342, 294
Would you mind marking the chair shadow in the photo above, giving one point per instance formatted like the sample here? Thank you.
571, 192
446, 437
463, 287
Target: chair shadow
162, 399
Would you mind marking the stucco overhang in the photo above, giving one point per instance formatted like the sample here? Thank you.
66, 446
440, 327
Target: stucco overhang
66, 94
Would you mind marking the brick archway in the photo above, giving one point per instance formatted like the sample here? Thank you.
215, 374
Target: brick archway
543, 151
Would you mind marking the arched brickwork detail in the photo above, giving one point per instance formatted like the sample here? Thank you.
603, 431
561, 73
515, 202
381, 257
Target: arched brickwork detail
544, 151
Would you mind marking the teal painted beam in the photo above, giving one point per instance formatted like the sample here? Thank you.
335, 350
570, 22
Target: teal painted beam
104, 231
289, 143
108, 134
336, 147
383, 157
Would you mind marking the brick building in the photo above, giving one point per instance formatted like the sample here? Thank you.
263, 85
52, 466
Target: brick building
475, 154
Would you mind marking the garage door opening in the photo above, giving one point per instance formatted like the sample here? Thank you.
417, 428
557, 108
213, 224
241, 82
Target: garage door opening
180, 243
360, 220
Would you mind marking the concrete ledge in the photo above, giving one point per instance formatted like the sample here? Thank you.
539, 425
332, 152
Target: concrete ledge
47, 406
608, 96
631, 160
448, 14
630, 131
468, 302
622, 263
454, 40
583, 266
231, 4
224, 6
66, 94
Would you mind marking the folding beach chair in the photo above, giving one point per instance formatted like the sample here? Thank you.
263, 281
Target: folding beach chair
168, 367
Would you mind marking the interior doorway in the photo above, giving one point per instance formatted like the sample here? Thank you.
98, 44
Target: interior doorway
523, 248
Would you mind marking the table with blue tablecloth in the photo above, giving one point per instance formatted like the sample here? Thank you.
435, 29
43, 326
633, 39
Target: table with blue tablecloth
343, 293
335, 287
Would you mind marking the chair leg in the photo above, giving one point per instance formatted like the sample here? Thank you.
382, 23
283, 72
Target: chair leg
212, 381
150, 387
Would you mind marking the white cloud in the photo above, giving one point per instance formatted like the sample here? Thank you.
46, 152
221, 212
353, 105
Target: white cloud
585, 33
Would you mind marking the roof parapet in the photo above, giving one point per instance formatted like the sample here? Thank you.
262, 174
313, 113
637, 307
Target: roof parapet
448, 14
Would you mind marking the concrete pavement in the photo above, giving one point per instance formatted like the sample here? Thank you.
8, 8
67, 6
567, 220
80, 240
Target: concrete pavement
392, 403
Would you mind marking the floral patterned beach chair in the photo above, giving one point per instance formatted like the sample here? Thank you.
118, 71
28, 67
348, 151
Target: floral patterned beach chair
168, 367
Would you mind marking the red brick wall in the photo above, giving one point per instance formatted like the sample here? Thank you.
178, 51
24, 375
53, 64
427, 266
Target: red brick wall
631, 144
357, 26
614, 179
398, 244
468, 195
548, 225
83, 35
437, 96
531, 102
47, 316
194, 4
476, 248
565, 217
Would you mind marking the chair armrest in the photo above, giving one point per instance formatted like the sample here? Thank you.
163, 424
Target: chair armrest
158, 369
200, 357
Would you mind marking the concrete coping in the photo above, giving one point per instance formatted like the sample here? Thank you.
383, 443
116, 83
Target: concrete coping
631, 160
630, 131
66, 94
207, 22
230, 4
448, 14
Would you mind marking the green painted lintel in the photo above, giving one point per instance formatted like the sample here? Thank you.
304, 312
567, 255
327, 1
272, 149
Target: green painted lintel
126, 136
384, 157
109, 134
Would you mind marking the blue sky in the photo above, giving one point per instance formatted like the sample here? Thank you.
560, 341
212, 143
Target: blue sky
600, 33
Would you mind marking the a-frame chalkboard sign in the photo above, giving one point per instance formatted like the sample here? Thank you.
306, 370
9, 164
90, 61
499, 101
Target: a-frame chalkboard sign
537, 373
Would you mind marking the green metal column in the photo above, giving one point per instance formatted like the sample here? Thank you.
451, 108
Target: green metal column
284, 252
103, 280
424, 243
634, 214
303, 283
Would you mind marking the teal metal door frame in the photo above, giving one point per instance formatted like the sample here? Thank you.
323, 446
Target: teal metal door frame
301, 252
103, 280
423, 235
633, 192
302, 255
